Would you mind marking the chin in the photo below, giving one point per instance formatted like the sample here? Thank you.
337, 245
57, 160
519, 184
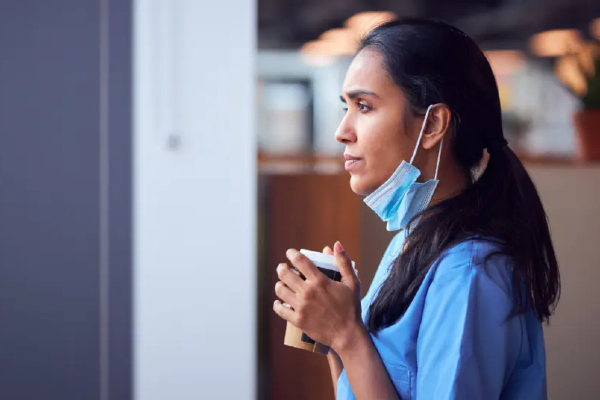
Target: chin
360, 187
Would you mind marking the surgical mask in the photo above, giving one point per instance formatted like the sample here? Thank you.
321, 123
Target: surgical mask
401, 197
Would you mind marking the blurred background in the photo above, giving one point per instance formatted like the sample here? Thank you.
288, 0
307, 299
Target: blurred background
157, 158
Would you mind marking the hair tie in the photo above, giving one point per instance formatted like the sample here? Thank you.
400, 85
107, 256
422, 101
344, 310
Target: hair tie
497, 146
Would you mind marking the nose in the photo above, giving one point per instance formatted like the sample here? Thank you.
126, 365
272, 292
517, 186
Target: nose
346, 133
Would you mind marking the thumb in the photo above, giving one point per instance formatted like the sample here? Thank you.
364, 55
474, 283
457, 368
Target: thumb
344, 264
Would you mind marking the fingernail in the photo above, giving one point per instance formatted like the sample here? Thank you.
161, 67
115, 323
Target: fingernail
338, 247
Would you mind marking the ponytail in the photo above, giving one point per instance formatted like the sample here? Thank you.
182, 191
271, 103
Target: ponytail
528, 236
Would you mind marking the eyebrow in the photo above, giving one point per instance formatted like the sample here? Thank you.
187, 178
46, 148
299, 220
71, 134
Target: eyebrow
357, 93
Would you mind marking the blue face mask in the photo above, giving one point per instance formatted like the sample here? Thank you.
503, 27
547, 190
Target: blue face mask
401, 197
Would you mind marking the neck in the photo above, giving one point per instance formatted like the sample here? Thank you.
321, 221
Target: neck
453, 180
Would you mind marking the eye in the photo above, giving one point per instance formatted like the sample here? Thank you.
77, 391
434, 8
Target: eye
362, 107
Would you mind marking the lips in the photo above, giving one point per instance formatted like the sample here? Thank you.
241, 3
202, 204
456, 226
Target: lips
348, 157
351, 161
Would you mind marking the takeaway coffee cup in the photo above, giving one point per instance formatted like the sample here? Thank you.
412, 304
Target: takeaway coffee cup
294, 337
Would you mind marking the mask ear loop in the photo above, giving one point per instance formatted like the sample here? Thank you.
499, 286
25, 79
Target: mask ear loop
421, 134
437, 166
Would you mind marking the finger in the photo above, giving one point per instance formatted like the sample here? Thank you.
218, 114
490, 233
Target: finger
344, 263
327, 250
284, 311
306, 267
290, 277
285, 294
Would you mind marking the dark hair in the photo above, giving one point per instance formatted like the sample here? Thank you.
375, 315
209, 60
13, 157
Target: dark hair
434, 63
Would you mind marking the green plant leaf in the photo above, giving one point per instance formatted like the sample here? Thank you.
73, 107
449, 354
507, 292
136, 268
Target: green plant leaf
591, 100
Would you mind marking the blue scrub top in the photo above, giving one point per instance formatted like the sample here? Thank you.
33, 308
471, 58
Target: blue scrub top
459, 338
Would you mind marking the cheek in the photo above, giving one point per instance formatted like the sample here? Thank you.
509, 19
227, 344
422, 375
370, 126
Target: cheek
385, 146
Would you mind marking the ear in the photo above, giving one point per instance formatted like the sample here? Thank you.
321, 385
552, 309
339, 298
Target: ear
438, 125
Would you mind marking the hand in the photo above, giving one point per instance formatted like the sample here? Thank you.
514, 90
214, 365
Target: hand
327, 250
325, 310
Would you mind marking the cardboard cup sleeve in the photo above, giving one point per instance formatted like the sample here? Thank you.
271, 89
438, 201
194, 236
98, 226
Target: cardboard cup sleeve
294, 337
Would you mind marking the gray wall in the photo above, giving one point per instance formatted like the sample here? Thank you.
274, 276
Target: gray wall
64, 216
570, 194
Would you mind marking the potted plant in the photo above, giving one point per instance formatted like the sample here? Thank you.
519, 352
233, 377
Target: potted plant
581, 73
587, 120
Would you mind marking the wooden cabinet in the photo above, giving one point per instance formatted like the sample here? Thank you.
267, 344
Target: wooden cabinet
306, 211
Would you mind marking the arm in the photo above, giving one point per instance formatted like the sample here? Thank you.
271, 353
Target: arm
335, 366
365, 370
335, 363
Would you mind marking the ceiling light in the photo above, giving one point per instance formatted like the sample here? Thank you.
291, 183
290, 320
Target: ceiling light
505, 62
556, 43
595, 28
568, 71
343, 41
331, 44
589, 52
363, 23
317, 52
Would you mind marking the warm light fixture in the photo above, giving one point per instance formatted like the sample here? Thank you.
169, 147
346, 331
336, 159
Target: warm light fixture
343, 41
505, 62
316, 53
567, 69
586, 56
363, 23
595, 28
556, 43
333, 43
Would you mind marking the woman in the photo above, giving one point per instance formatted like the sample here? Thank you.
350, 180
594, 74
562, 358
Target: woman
456, 307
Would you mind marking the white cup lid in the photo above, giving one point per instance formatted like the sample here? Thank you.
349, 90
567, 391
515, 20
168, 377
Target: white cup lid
323, 260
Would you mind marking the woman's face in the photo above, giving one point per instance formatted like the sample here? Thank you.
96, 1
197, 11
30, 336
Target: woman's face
378, 128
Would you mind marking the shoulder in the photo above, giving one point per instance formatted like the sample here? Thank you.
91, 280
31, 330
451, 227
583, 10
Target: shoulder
475, 262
